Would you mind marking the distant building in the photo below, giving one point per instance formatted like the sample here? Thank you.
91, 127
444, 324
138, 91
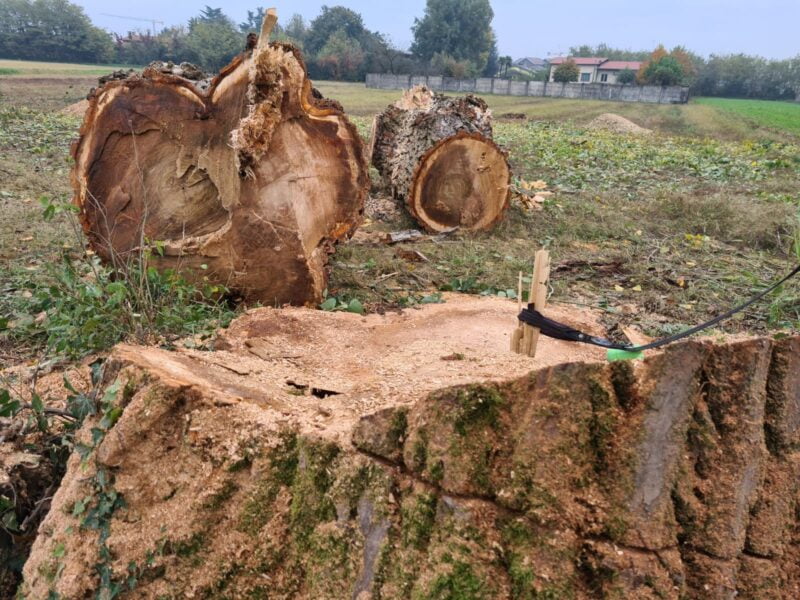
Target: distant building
596, 70
607, 72
533, 64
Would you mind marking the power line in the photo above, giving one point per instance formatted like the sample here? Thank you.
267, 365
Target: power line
153, 21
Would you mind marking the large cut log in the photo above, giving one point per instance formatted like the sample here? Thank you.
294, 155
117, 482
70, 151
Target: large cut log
436, 153
252, 177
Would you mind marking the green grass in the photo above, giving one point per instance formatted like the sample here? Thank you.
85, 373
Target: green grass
783, 116
29, 68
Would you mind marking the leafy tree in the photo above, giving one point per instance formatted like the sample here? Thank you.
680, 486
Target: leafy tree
296, 30
211, 15
626, 76
493, 62
341, 57
664, 71
566, 72
334, 20
458, 28
254, 20
664, 68
213, 39
51, 30
505, 64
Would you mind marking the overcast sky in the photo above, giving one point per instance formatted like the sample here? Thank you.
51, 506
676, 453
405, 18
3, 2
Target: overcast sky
537, 27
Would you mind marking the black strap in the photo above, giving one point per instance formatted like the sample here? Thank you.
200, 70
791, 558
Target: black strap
559, 331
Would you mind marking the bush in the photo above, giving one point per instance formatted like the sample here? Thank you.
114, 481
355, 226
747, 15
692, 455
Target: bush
664, 71
626, 76
450, 67
566, 72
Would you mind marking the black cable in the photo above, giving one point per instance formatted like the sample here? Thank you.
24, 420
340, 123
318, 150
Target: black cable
559, 331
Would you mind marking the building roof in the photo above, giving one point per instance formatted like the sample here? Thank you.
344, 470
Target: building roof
619, 65
578, 60
531, 59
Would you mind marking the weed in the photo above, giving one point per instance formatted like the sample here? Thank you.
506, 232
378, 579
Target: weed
334, 304
81, 307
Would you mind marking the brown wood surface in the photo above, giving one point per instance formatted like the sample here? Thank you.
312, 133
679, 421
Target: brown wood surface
436, 154
252, 178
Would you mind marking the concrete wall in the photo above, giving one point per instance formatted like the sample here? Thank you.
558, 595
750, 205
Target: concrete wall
484, 85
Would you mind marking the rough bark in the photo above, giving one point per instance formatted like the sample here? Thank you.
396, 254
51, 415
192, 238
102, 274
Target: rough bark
252, 174
436, 153
429, 478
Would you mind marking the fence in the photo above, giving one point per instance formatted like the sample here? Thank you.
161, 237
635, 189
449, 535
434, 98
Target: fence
655, 94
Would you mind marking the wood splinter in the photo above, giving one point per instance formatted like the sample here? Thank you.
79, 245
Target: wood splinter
525, 338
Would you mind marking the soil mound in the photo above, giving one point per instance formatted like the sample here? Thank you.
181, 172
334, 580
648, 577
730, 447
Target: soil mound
328, 455
75, 110
617, 124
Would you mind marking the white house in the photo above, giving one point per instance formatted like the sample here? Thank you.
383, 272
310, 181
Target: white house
595, 70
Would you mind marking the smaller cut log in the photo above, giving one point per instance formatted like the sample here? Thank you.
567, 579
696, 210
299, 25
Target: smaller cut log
436, 154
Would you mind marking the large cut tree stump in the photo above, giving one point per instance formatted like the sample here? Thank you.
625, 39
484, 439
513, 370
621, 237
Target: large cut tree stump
436, 153
252, 177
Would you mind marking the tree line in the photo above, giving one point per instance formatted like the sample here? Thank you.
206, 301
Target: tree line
452, 38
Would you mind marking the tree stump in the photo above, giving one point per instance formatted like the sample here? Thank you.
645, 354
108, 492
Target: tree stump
436, 154
252, 177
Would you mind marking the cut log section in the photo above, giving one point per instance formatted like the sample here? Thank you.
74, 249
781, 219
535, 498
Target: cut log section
252, 177
436, 154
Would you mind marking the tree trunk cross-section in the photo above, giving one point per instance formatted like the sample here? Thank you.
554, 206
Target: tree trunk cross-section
253, 178
436, 153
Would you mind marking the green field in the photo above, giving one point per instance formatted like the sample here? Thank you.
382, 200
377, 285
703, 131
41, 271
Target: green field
782, 116
27, 68
660, 231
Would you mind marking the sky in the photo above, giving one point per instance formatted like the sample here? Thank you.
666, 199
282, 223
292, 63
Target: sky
538, 28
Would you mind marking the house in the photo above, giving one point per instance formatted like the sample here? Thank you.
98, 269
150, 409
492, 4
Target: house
532, 64
595, 70
607, 72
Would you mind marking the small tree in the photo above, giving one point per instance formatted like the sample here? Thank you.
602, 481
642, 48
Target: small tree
664, 71
341, 57
626, 76
566, 72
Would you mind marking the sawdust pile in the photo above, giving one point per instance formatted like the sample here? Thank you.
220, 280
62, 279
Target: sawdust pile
618, 124
75, 110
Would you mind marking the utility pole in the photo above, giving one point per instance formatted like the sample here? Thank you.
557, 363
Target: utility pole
153, 21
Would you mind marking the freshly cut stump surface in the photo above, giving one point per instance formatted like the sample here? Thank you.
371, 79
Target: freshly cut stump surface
319, 455
252, 177
437, 155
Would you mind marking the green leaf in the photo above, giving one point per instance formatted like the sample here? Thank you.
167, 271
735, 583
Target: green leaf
60, 550
355, 306
37, 404
328, 305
